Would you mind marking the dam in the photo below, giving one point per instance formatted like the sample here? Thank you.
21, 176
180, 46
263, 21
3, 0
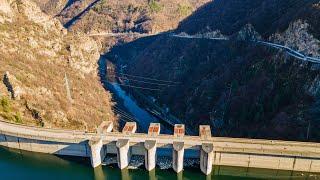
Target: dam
211, 151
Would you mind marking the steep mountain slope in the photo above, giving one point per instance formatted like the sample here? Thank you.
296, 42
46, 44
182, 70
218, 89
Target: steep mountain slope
241, 88
143, 16
48, 76
267, 16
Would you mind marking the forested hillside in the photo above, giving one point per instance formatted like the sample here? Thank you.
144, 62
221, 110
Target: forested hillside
241, 88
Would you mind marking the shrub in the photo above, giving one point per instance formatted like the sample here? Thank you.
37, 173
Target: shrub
184, 10
99, 7
154, 6
18, 118
5, 104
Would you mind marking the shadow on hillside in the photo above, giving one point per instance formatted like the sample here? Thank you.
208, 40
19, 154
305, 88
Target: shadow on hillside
69, 2
267, 16
233, 62
70, 22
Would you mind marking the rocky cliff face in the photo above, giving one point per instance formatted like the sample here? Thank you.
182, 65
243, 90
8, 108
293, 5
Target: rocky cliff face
267, 16
298, 37
242, 89
48, 76
143, 16
125, 16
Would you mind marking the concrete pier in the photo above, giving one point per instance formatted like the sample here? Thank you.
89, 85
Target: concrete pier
97, 153
206, 150
150, 147
177, 156
178, 148
123, 153
206, 158
150, 154
123, 146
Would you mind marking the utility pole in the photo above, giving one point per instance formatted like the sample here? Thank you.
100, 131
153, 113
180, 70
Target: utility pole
67, 85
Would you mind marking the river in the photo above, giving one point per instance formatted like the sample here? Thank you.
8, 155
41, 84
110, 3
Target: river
129, 104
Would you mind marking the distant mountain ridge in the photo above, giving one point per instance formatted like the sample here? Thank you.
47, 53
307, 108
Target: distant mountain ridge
143, 16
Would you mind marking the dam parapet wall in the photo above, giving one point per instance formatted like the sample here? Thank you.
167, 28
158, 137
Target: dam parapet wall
211, 151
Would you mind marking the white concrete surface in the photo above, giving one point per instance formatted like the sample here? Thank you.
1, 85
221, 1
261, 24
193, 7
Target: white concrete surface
259, 153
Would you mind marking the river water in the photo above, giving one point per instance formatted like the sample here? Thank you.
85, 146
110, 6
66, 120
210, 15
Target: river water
129, 104
143, 118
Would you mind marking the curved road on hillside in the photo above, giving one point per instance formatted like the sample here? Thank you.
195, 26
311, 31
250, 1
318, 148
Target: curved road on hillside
108, 34
289, 51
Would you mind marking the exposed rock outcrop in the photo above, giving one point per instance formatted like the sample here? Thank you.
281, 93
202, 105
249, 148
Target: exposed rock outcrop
212, 34
248, 33
5, 11
298, 37
13, 86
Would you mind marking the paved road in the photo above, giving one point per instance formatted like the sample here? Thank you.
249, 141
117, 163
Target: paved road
289, 51
108, 34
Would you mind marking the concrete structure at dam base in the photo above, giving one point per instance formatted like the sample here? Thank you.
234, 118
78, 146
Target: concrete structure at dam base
211, 151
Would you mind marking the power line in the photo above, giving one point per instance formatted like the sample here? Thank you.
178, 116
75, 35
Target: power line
126, 119
124, 116
125, 113
138, 87
122, 111
149, 78
145, 82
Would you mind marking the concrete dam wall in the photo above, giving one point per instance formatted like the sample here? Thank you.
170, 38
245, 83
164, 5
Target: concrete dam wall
270, 154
